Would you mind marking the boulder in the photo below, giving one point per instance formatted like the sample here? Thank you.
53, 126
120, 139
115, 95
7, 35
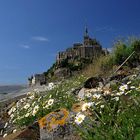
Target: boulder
81, 93
56, 126
93, 82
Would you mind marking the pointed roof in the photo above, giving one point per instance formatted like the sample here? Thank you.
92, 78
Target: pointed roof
86, 32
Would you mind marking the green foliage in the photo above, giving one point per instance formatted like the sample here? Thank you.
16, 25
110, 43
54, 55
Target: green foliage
61, 94
122, 50
50, 71
120, 53
118, 120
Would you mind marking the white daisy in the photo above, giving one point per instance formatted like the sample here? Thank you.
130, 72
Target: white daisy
14, 130
119, 93
96, 96
27, 115
88, 95
132, 87
116, 98
26, 106
50, 102
129, 82
85, 106
35, 110
6, 124
4, 135
123, 87
79, 118
102, 106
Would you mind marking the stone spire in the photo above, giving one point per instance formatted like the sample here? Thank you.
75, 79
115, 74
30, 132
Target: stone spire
86, 32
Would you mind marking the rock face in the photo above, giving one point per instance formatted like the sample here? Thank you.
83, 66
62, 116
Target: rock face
93, 82
55, 126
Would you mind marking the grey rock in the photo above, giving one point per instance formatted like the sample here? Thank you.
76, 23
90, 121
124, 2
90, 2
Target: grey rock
92, 82
81, 93
60, 133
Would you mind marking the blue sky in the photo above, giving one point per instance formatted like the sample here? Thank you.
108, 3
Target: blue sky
33, 31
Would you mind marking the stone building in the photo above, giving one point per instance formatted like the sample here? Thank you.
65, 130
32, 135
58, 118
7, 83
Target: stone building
37, 79
90, 48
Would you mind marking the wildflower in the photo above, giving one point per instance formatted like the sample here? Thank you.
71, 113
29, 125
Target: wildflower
12, 116
123, 88
116, 98
106, 92
79, 118
1, 132
31, 97
36, 108
14, 130
96, 96
99, 89
4, 135
102, 106
129, 82
10, 111
33, 103
119, 93
50, 96
134, 75
50, 102
97, 103
6, 124
29, 93
50, 86
88, 95
128, 92
26, 106
39, 99
46, 106
132, 87
27, 115
85, 106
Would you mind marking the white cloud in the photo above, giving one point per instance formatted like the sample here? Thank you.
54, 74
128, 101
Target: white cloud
25, 46
40, 38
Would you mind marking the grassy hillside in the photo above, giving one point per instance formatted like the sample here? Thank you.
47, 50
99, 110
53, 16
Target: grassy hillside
107, 112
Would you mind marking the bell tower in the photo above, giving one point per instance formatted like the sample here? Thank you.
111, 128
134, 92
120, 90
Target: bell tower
86, 37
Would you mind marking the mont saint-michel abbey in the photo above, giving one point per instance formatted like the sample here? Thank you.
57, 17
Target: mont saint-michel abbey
90, 48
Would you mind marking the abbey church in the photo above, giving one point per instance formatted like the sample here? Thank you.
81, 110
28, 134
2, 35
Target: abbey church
90, 48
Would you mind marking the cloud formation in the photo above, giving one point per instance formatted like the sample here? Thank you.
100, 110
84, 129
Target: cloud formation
40, 38
25, 46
